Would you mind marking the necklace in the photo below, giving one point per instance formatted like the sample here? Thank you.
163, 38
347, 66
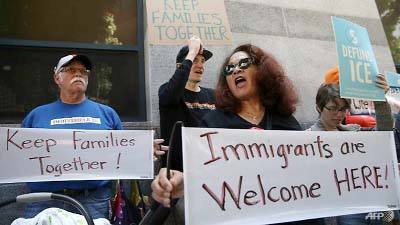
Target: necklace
251, 117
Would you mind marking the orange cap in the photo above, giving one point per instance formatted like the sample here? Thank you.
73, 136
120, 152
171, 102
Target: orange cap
332, 75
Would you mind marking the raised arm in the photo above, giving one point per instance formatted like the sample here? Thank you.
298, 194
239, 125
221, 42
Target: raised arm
172, 91
384, 120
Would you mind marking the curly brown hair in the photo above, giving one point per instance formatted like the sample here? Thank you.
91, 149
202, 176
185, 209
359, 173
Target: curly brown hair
274, 87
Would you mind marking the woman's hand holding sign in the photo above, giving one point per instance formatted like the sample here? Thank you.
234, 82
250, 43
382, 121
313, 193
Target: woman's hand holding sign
164, 189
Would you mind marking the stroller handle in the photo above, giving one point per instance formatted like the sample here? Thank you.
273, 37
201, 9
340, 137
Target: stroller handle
45, 196
34, 197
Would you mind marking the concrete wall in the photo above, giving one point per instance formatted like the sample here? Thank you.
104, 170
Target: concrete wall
298, 33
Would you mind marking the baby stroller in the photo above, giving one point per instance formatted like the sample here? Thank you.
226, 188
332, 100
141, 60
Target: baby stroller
44, 196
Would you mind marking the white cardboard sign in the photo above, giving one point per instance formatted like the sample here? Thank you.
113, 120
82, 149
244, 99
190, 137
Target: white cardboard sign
32, 154
262, 177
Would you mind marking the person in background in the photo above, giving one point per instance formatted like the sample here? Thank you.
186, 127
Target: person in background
332, 110
379, 108
182, 98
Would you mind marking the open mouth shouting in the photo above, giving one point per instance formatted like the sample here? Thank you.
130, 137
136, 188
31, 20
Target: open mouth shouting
240, 81
199, 72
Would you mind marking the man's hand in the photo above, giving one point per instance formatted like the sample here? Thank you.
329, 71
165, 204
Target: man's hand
159, 149
195, 48
164, 189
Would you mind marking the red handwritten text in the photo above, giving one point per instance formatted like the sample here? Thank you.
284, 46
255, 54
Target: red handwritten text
272, 194
262, 150
358, 178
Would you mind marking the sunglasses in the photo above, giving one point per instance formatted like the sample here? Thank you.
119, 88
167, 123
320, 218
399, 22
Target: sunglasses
243, 64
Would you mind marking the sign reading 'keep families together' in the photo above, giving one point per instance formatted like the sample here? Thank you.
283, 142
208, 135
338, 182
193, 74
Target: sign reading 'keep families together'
175, 21
28, 155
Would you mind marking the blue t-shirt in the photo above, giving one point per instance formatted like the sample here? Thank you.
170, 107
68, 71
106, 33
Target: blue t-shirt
88, 115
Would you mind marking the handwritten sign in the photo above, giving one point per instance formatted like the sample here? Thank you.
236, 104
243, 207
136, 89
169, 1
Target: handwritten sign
262, 177
28, 154
357, 64
173, 22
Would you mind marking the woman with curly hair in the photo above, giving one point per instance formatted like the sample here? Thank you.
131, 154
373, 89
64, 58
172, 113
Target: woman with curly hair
253, 91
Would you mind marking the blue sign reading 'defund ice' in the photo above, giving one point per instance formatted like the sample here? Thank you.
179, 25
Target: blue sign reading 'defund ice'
357, 64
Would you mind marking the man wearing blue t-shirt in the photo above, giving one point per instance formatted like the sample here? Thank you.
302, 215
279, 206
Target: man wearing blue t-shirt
73, 111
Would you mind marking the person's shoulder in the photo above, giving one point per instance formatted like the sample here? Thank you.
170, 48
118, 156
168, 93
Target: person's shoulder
350, 127
107, 112
288, 122
45, 107
215, 113
216, 119
208, 90
315, 127
38, 113
100, 105
163, 86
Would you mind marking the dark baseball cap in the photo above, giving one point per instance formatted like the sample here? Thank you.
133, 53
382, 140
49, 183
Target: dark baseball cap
185, 50
64, 61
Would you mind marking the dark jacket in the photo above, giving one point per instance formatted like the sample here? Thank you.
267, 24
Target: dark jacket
179, 104
270, 121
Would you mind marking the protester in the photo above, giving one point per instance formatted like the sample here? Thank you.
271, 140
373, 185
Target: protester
74, 110
253, 92
182, 98
383, 120
329, 105
332, 110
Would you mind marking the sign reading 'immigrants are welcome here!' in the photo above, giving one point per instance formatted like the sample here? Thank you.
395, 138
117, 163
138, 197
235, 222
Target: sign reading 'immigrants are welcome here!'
172, 22
255, 177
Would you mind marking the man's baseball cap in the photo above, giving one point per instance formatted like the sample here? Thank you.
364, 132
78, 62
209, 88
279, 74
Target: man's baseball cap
64, 61
185, 50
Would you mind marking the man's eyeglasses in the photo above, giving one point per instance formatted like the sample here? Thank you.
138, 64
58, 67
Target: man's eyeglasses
337, 110
243, 64
73, 70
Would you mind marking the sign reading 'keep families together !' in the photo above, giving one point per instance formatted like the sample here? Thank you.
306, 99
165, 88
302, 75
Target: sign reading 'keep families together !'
28, 155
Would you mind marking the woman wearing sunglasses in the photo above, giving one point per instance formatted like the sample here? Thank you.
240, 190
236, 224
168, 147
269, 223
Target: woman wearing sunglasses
253, 91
